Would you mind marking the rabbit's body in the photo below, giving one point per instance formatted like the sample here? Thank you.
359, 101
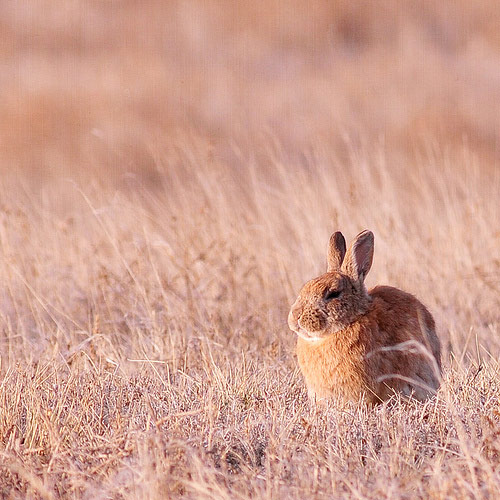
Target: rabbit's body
355, 362
355, 344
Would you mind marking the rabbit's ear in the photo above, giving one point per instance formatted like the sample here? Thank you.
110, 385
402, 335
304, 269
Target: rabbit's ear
336, 251
358, 260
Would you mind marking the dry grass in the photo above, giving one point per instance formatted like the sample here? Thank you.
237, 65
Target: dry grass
171, 173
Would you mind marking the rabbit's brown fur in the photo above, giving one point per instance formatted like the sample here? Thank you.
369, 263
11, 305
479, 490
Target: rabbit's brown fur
355, 344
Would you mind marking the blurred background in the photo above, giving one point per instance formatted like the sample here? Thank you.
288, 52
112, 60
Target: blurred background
105, 86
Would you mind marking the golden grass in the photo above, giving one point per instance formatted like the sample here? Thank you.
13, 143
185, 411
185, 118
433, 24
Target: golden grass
170, 177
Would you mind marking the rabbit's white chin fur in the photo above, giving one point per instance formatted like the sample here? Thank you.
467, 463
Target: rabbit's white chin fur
306, 336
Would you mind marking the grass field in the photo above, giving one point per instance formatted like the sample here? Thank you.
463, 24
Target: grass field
170, 173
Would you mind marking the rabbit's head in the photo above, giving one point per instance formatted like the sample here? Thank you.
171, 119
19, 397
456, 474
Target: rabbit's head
331, 302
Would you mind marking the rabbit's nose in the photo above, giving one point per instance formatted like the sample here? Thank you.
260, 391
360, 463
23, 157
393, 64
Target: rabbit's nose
303, 319
293, 317
311, 320
294, 311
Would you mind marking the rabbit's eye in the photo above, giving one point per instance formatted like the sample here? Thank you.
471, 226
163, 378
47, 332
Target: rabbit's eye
332, 294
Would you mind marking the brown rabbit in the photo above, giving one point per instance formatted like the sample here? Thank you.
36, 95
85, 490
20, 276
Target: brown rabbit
355, 344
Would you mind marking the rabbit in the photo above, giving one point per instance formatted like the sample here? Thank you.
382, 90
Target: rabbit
359, 345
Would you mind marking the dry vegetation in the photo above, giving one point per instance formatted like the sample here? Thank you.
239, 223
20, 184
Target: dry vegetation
170, 174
